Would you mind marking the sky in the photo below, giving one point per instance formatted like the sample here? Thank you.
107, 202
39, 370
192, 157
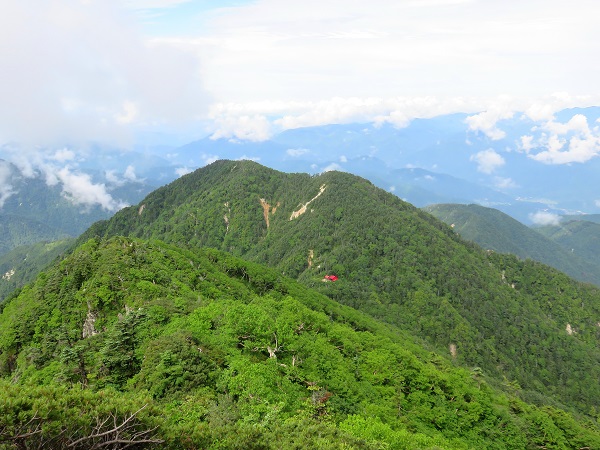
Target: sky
108, 70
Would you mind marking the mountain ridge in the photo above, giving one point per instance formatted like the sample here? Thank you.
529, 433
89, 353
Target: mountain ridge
189, 349
393, 261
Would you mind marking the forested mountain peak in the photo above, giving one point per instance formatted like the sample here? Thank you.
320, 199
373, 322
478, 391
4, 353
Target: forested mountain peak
394, 261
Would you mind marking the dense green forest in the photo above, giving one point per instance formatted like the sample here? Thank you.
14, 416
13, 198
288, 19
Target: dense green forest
152, 331
140, 343
519, 321
494, 230
22, 264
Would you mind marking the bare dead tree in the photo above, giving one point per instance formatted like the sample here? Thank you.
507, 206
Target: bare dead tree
112, 432
115, 433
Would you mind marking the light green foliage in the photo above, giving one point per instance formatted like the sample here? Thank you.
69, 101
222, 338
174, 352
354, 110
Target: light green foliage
222, 353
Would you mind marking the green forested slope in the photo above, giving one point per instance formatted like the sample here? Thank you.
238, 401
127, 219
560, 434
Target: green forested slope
129, 341
521, 322
494, 230
22, 264
580, 237
16, 231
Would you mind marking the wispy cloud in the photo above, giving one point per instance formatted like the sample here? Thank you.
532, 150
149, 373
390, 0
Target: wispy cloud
60, 168
248, 128
79, 188
295, 152
505, 183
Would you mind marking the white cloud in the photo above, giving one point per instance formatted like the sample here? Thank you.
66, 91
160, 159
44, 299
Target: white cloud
209, 159
79, 187
248, 158
181, 171
128, 113
80, 70
80, 190
331, 167
112, 178
63, 155
563, 143
258, 120
130, 174
526, 143
153, 4
485, 121
579, 150
314, 49
398, 111
544, 218
249, 128
578, 123
6, 188
488, 160
543, 109
343, 159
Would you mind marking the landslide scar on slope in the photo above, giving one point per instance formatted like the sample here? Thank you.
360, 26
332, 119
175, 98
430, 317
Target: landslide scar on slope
268, 209
302, 210
225, 218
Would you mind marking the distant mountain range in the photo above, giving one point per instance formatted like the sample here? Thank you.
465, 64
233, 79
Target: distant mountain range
506, 166
452, 158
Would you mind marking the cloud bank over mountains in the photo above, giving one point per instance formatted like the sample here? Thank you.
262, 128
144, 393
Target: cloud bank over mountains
60, 168
99, 75
76, 71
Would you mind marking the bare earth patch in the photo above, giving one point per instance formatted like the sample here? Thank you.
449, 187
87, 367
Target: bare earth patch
268, 210
302, 210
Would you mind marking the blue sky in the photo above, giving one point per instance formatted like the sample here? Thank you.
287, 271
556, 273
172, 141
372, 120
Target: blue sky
78, 70
178, 18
